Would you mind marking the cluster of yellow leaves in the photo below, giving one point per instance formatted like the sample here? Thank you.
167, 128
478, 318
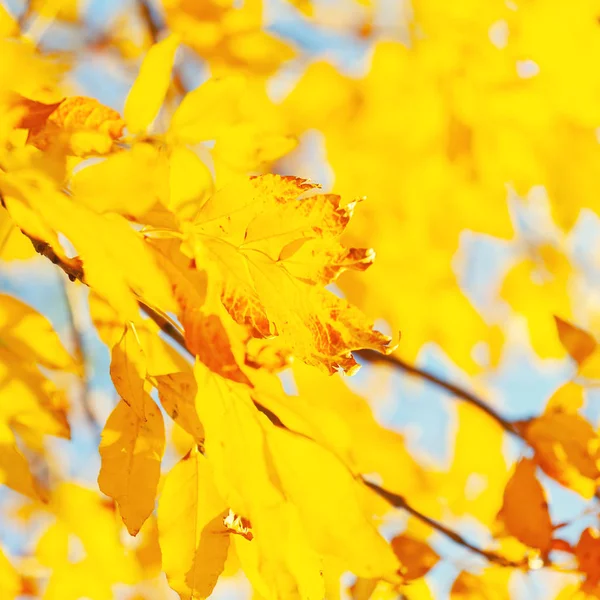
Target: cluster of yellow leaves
171, 207
151, 218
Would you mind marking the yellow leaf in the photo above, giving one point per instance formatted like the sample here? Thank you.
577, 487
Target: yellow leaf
13, 244
109, 186
150, 87
10, 580
567, 398
116, 262
492, 584
193, 539
328, 500
311, 478
279, 560
577, 342
8, 25
30, 400
416, 557
240, 233
31, 336
524, 511
85, 514
190, 182
16, 474
476, 480
207, 110
128, 371
64, 10
207, 338
177, 393
161, 357
131, 450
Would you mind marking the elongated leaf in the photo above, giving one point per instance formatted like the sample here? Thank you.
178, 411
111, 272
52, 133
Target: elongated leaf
131, 451
149, 89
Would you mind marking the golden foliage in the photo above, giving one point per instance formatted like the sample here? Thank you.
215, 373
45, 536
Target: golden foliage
217, 298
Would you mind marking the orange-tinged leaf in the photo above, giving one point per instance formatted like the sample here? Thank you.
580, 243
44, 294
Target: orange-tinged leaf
416, 557
241, 231
16, 474
150, 87
587, 553
81, 126
177, 393
566, 448
128, 371
193, 539
492, 584
524, 511
34, 114
131, 450
577, 342
206, 337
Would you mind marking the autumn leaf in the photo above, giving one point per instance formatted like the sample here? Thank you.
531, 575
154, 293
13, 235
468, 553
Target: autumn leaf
80, 126
577, 342
565, 443
492, 584
131, 451
532, 526
269, 294
150, 87
416, 557
193, 538
128, 372
177, 393
587, 552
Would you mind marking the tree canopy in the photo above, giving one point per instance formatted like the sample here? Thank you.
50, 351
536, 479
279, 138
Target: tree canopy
299, 300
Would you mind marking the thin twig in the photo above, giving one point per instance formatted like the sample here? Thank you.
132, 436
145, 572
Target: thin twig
400, 502
80, 356
24, 16
454, 390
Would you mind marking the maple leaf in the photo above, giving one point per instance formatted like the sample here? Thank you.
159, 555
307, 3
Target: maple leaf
251, 233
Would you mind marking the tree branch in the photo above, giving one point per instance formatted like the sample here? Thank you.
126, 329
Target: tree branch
74, 269
452, 389
400, 502
80, 356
